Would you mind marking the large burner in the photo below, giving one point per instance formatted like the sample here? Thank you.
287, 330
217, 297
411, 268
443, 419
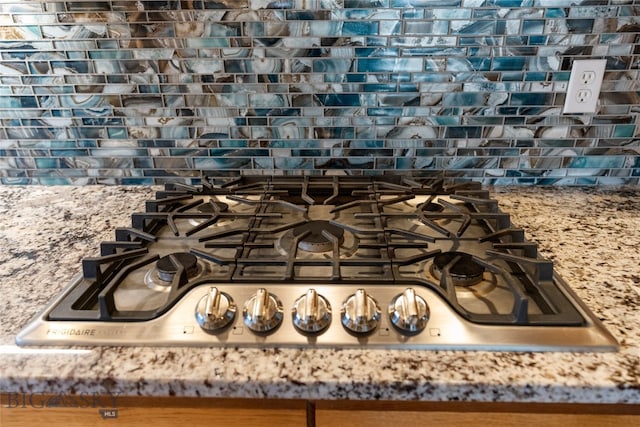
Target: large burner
316, 236
463, 269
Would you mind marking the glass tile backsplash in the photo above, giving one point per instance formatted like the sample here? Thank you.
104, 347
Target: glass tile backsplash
147, 92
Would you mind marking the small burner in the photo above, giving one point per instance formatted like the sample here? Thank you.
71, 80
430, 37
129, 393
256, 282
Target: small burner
167, 269
208, 207
315, 240
464, 272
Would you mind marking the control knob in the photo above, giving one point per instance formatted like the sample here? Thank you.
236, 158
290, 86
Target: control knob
263, 312
311, 313
215, 311
409, 312
360, 313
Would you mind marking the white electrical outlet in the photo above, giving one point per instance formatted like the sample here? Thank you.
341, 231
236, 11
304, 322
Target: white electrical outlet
584, 86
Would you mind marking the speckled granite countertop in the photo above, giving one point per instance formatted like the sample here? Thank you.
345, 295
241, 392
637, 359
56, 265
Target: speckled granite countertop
593, 235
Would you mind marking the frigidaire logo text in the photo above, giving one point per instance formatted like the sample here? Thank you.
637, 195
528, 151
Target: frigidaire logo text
71, 331
85, 332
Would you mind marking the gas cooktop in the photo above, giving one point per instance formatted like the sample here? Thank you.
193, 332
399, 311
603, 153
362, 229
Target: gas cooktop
382, 262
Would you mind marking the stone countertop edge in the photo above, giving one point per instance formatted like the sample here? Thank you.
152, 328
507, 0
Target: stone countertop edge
591, 234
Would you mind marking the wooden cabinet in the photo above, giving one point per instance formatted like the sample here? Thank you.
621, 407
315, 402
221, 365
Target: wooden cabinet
450, 414
210, 412
156, 412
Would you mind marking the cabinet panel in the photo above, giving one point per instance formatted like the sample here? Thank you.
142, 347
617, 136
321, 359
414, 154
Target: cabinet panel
161, 412
345, 418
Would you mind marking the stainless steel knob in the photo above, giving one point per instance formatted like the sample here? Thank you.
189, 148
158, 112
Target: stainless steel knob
215, 311
409, 312
262, 312
360, 313
311, 313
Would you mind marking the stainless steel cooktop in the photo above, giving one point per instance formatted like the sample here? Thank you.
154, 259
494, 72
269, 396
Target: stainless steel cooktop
380, 262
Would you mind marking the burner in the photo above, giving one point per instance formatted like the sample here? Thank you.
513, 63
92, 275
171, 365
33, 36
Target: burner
208, 207
167, 269
313, 236
464, 272
432, 207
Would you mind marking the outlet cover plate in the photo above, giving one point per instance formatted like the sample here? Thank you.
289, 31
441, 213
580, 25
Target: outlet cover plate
584, 86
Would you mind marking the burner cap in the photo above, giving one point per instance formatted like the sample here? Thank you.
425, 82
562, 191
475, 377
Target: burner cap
432, 207
315, 241
465, 271
167, 269
207, 208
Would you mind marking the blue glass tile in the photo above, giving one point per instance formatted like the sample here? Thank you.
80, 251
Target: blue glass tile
230, 143
431, 51
288, 144
87, 143
54, 181
47, 163
214, 163
531, 99
535, 77
376, 41
555, 13
533, 26
16, 102
624, 131
472, 41
207, 42
343, 99
378, 87
585, 181
409, 87
377, 65
338, 132
324, 28
463, 99
538, 40
516, 40
597, 162
117, 133
310, 153
367, 144
514, 121
511, 63
580, 26
136, 181
400, 77
425, 3
377, 52
395, 112
359, 28
412, 14
58, 144
293, 163
477, 63
365, 4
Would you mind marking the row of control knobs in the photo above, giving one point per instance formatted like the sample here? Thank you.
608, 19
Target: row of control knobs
311, 312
